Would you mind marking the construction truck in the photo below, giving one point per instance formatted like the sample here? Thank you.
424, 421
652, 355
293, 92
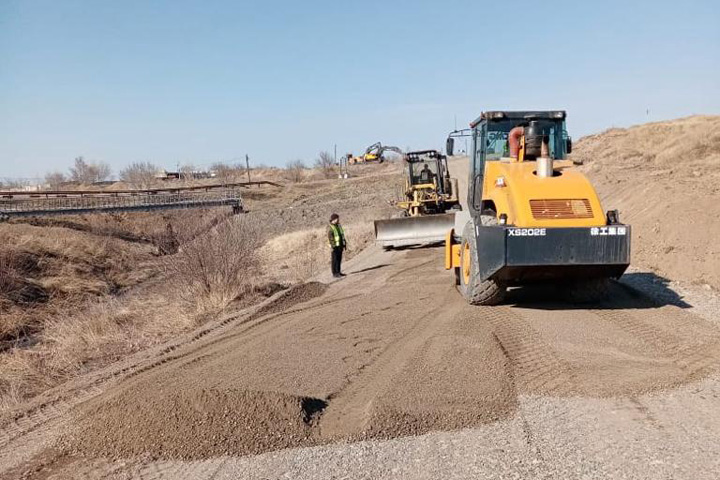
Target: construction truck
429, 200
531, 216
375, 153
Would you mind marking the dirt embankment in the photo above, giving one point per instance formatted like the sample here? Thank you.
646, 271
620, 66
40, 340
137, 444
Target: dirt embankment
78, 292
665, 179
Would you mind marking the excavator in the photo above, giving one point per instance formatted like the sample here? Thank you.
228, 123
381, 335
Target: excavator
531, 216
428, 201
373, 153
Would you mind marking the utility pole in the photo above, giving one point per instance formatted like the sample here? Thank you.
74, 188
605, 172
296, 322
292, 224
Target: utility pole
247, 166
335, 154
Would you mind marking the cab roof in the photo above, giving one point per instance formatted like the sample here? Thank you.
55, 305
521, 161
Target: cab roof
422, 155
497, 115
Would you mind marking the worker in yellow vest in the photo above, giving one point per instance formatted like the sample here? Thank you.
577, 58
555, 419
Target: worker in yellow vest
336, 238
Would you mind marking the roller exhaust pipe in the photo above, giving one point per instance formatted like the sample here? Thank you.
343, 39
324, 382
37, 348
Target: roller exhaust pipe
544, 167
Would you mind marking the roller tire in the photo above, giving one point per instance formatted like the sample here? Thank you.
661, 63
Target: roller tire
477, 291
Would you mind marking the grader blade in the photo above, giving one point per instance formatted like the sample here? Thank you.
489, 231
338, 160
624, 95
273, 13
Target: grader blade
398, 232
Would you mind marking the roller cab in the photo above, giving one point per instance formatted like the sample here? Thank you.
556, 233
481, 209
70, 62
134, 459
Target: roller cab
534, 218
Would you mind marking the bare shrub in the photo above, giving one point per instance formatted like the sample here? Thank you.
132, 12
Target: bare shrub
55, 180
187, 171
295, 171
227, 173
84, 172
139, 174
326, 164
217, 267
13, 184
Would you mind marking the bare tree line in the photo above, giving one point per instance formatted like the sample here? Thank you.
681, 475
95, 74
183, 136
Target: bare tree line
143, 175
82, 171
139, 175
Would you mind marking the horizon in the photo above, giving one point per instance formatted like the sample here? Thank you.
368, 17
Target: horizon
239, 162
188, 83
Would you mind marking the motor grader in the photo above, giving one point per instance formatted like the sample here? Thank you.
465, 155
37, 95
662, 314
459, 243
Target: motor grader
532, 217
428, 188
428, 200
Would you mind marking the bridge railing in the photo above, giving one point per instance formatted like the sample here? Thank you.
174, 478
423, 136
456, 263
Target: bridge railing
58, 203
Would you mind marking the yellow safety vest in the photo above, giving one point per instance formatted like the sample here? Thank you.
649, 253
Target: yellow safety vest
338, 235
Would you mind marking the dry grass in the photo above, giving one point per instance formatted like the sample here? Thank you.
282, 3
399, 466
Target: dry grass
689, 146
100, 332
51, 278
301, 255
52, 270
212, 270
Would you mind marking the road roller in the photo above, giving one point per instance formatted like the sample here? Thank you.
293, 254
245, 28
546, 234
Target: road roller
532, 216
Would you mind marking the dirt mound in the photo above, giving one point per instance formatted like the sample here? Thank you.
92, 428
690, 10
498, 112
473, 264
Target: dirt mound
193, 424
665, 179
294, 295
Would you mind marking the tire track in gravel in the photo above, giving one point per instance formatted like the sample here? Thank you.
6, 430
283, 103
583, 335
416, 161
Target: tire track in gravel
350, 410
536, 368
685, 339
623, 346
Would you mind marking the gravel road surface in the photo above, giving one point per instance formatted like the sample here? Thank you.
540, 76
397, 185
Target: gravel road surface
389, 374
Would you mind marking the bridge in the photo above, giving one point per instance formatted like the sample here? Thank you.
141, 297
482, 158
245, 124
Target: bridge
74, 202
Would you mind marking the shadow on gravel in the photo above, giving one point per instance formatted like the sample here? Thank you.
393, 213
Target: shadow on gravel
654, 286
425, 246
634, 291
369, 269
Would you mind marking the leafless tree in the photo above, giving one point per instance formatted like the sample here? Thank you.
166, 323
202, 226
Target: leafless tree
139, 174
10, 184
102, 171
227, 173
85, 172
187, 171
326, 164
80, 171
295, 170
55, 180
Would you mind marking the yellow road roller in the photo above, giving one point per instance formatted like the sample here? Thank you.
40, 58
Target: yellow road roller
531, 216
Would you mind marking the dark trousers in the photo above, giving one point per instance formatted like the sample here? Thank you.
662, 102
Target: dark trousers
336, 260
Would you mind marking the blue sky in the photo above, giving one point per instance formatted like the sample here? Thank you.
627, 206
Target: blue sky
204, 81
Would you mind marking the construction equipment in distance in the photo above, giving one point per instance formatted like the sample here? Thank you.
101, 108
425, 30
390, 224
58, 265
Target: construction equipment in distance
429, 201
532, 217
374, 153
